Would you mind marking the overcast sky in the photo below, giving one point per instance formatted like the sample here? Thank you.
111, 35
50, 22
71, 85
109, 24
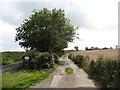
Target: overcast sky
97, 21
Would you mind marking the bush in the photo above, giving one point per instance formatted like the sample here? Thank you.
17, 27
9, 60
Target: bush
55, 57
41, 61
91, 69
105, 70
78, 59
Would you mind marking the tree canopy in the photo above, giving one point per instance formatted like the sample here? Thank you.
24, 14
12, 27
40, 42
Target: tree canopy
46, 30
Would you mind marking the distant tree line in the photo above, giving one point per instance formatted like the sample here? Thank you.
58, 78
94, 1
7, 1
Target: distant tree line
76, 48
96, 48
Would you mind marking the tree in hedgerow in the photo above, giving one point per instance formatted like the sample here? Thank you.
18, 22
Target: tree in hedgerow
86, 48
76, 48
46, 31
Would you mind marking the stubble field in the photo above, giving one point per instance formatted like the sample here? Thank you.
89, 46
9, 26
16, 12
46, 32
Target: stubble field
94, 54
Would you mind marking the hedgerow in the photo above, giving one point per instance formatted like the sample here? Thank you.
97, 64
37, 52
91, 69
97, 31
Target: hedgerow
105, 70
41, 61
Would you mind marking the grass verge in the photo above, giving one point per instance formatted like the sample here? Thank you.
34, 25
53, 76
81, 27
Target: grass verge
21, 78
69, 70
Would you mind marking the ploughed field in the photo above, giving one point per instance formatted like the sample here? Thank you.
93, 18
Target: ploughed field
94, 54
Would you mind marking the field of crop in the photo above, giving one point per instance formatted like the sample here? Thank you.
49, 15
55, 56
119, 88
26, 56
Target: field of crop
94, 54
102, 65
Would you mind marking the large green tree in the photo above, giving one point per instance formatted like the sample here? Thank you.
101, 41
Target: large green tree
46, 30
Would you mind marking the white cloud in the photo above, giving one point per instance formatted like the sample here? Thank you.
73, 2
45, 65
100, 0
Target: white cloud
7, 38
95, 38
97, 19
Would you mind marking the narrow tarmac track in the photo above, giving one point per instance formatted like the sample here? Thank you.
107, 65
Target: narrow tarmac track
59, 79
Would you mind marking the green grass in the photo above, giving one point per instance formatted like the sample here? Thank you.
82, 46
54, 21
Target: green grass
11, 57
0, 81
69, 70
21, 78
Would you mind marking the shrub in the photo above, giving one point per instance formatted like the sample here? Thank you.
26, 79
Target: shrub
79, 59
91, 69
55, 57
31, 53
41, 61
105, 70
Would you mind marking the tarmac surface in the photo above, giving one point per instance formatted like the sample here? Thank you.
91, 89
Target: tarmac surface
59, 79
